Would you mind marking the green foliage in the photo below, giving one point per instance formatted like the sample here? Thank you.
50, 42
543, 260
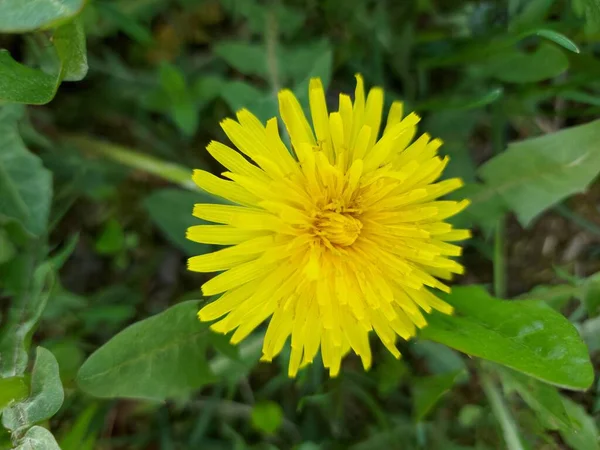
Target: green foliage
267, 417
18, 17
428, 390
45, 398
159, 357
535, 174
171, 210
37, 438
25, 184
528, 336
23, 84
96, 196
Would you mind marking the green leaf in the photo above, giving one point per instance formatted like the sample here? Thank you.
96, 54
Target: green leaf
7, 249
267, 417
12, 389
238, 95
157, 358
25, 184
530, 12
112, 238
37, 438
514, 66
535, 174
591, 295
22, 84
428, 390
527, 336
461, 102
542, 398
180, 99
171, 210
559, 39
30, 289
69, 41
18, 16
46, 396
586, 436
591, 10
247, 58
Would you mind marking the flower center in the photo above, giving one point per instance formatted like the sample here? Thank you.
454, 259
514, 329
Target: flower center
339, 228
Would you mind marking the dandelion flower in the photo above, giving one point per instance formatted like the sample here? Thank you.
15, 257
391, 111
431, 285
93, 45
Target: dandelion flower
333, 237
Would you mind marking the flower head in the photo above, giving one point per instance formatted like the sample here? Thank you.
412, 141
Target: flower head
339, 235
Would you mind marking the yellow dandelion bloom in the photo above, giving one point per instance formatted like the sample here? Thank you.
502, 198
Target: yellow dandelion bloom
341, 234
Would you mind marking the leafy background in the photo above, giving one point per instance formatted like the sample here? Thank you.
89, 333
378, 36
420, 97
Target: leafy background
107, 105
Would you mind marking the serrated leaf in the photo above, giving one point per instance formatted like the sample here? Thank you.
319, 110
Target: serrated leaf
45, 398
25, 184
428, 390
542, 398
171, 210
533, 175
37, 438
526, 335
157, 358
18, 16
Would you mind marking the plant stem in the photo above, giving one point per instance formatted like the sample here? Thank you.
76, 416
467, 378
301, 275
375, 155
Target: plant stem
172, 172
500, 410
499, 261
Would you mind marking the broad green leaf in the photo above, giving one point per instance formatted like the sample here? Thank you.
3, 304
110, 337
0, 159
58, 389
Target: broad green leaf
526, 335
585, 436
22, 84
157, 358
428, 390
19, 16
232, 369
514, 66
29, 292
11, 390
37, 438
45, 398
25, 184
171, 210
533, 175
267, 417
542, 398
